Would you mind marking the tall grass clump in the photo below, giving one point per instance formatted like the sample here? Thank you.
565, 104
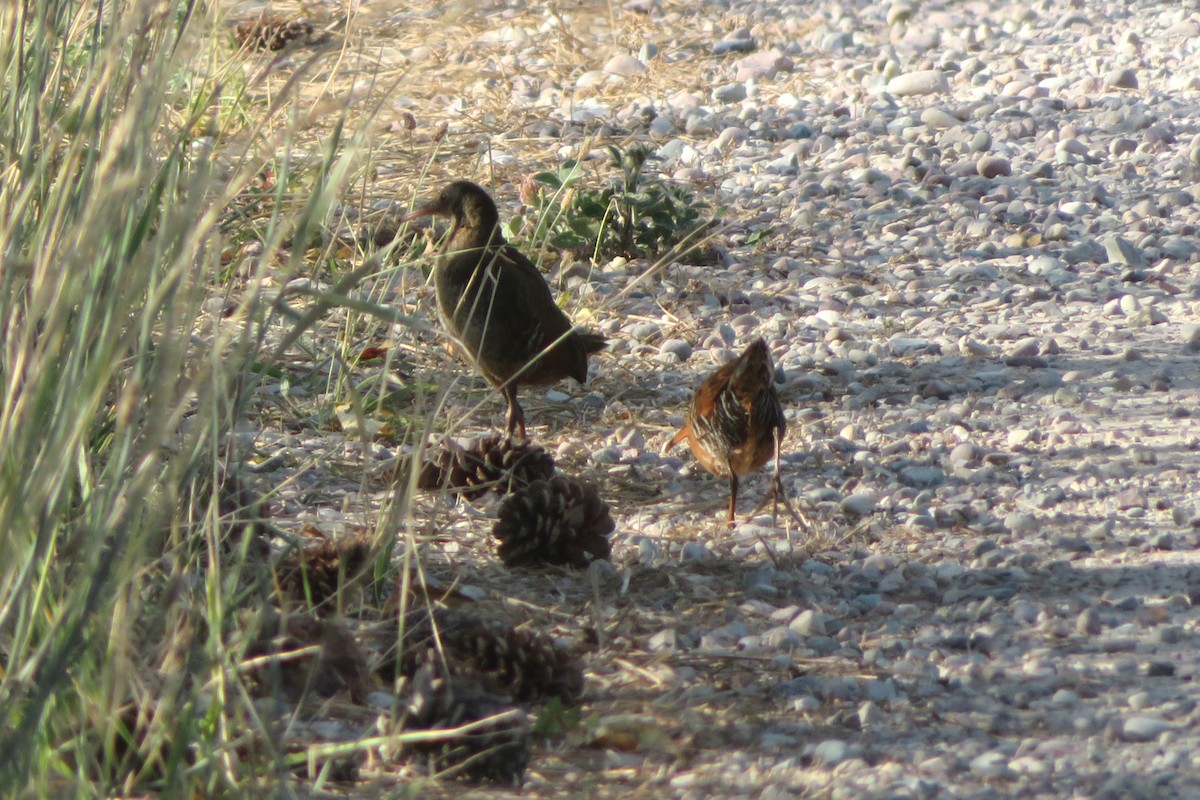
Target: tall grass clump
120, 571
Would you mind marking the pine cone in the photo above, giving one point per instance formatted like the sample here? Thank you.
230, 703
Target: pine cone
271, 32
524, 666
317, 573
488, 463
556, 521
338, 665
496, 751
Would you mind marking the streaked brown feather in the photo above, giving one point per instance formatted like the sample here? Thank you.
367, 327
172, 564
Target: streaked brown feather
734, 420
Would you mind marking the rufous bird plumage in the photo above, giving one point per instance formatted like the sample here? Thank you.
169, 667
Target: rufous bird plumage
735, 422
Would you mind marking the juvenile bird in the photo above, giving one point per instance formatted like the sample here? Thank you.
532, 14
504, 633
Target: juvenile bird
493, 300
735, 422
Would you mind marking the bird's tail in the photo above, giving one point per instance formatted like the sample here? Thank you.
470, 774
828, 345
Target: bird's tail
591, 341
752, 373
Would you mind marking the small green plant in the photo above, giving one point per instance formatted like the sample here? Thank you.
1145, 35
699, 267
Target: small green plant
635, 215
758, 236
555, 720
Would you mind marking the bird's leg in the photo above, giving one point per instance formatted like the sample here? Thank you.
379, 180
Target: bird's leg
516, 417
777, 491
777, 483
733, 487
801, 520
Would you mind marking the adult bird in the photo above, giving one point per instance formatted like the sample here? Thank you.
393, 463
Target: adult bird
493, 300
735, 422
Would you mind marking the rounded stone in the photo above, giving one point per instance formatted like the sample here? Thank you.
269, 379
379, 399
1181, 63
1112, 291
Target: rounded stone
921, 82
624, 65
993, 167
1143, 729
676, 347
939, 118
694, 551
831, 751
809, 623
981, 142
1088, 622
964, 453
1121, 79
730, 93
860, 504
1020, 523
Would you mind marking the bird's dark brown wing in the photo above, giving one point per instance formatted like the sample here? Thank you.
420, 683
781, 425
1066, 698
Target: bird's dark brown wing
531, 291
529, 328
550, 316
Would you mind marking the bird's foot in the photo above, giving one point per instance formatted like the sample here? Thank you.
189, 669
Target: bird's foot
779, 497
515, 426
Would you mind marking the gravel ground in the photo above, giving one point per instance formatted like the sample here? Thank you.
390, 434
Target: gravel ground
979, 282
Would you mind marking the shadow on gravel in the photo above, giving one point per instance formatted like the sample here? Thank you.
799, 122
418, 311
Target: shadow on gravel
712, 661
929, 377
